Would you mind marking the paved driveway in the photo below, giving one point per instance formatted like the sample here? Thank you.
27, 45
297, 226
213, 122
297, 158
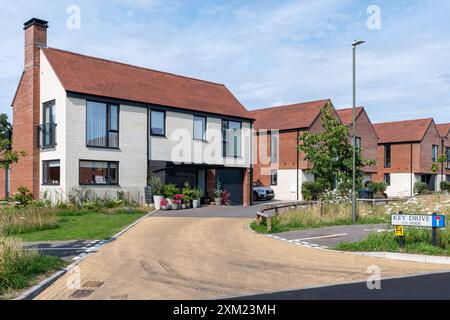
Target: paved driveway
209, 258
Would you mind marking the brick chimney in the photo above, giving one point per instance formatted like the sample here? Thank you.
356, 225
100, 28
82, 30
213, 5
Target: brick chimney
26, 110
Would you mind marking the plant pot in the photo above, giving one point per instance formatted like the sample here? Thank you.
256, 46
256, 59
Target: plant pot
174, 206
217, 201
157, 202
184, 206
164, 208
196, 203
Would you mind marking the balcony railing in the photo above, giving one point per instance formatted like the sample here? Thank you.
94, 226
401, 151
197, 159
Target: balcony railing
47, 135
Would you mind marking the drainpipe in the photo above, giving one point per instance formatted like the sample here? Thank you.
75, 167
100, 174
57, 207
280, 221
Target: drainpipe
298, 154
411, 170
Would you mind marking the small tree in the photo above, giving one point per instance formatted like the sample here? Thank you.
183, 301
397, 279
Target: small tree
331, 154
7, 155
439, 163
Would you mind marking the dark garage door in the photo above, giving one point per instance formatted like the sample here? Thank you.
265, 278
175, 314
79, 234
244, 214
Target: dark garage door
231, 181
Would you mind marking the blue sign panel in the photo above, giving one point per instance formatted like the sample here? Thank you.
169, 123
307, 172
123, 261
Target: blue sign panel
438, 221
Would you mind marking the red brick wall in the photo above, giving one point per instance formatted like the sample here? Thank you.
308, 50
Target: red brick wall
369, 139
446, 145
2, 183
246, 188
430, 138
26, 109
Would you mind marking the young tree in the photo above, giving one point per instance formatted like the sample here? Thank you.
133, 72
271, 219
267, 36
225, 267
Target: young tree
331, 153
7, 155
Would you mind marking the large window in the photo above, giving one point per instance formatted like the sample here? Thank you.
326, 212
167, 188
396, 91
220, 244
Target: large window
231, 138
387, 178
48, 124
158, 123
199, 128
274, 148
102, 125
387, 156
434, 153
99, 172
448, 157
51, 171
273, 177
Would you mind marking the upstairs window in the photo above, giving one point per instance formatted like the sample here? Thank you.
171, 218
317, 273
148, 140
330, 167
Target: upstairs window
387, 156
358, 143
199, 128
231, 138
434, 153
448, 157
273, 148
158, 123
102, 128
48, 127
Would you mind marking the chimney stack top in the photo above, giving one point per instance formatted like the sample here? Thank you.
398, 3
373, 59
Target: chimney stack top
35, 21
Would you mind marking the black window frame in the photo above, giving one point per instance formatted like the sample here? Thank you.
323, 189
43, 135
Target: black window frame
387, 179
447, 150
387, 164
193, 128
274, 151
108, 125
358, 146
273, 177
51, 126
434, 157
46, 183
164, 122
224, 140
109, 176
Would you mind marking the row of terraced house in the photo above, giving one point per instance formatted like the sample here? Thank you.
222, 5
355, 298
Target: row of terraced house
86, 122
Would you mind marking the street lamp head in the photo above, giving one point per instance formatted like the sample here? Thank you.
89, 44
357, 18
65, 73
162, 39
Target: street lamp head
357, 43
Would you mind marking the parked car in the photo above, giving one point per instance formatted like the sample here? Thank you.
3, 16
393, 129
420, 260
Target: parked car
261, 192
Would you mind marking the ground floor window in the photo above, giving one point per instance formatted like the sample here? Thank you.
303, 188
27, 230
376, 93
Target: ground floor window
387, 178
99, 172
51, 171
273, 177
448, 177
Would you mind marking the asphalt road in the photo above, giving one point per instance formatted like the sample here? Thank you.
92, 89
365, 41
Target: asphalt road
329, 237
67, 250
426, 287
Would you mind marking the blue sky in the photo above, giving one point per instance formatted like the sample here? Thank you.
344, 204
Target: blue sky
266, 52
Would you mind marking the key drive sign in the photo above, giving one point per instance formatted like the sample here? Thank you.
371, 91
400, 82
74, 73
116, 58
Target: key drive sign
418, 220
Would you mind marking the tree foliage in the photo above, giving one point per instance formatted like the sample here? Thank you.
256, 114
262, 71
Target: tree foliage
331, 153
7, 155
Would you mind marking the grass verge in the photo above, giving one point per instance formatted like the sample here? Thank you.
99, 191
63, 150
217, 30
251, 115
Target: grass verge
20, 268
417, 240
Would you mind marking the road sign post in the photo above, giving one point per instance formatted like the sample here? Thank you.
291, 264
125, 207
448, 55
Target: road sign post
434, 233
399, 232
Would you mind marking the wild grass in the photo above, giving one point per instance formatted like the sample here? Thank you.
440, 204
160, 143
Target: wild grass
22, 220
18, 267
339, 213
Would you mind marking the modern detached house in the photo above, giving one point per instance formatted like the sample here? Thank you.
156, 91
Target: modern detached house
92, 123
366, 136
279, 163
406, 152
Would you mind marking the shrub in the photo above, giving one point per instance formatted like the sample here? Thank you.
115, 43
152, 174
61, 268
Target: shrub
378, 187
170, 190
188, 192
421, 188
196, 193
445, 186
23, 196
156, 185
312, 190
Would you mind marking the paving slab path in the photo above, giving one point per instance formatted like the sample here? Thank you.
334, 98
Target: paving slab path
210, 258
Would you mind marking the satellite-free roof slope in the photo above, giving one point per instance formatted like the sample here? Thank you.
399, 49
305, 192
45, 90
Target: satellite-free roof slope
402, 131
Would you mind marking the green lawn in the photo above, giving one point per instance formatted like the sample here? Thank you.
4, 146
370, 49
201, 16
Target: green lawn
85, 226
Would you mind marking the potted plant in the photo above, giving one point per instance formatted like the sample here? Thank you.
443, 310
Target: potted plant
175, 205
196, 194
218, 195
187, 192
156, 187
169, 191
164, 204
178, 200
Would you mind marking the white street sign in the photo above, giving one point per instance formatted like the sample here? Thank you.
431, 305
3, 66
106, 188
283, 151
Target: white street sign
416, 220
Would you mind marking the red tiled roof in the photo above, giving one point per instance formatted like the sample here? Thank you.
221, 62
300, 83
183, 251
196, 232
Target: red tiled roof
294, 116
402, 131
444, 129
346, 115
99, 77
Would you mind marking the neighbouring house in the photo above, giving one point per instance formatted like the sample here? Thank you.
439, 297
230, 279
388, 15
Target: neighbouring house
366, 136
279, 164
444, 132
405, 154
91, 123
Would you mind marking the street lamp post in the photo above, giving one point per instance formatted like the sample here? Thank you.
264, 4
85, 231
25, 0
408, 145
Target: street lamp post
354, 45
